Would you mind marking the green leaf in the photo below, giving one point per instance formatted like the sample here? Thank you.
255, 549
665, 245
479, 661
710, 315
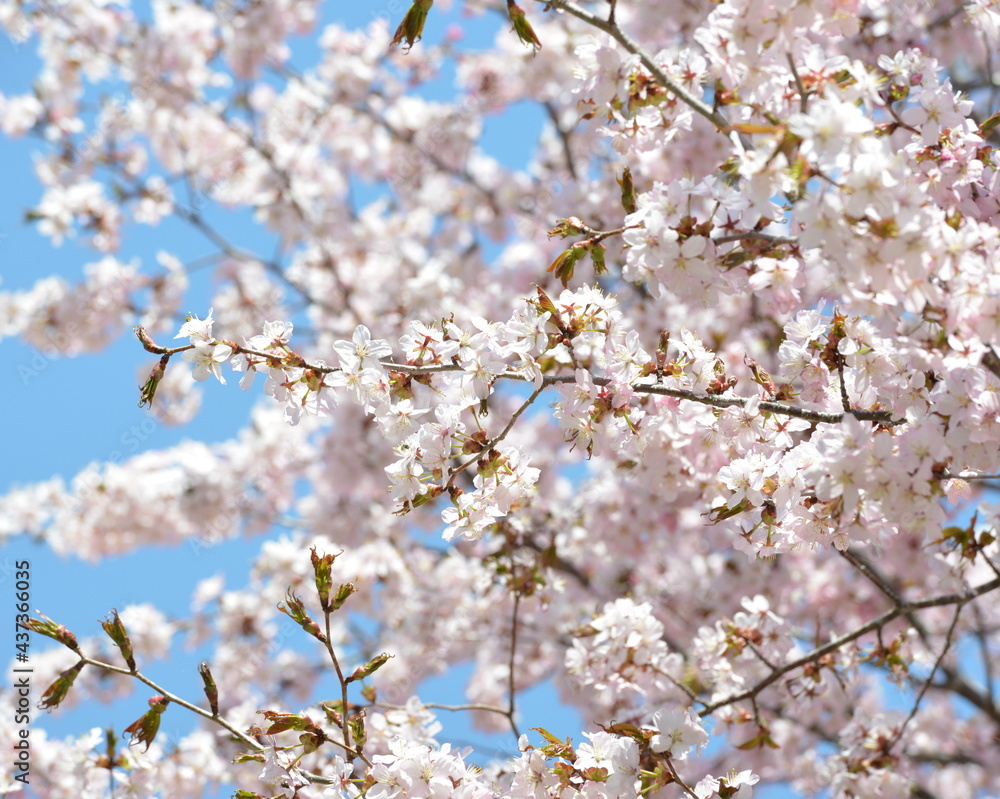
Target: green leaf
412, 26
144, 729
521, 25
56, 692
564, 264
369, 668
53, 630
628, 191
281, 722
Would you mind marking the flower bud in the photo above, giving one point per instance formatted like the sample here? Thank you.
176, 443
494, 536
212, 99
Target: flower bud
53, 630
628, 191
280, 722
56, 692
522, 27
369, 668
412, 26
358, 732
148, 389
294, 608
211, 689
323, 572
117, 632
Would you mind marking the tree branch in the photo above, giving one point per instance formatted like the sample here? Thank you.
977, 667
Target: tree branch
901, 609
612, 28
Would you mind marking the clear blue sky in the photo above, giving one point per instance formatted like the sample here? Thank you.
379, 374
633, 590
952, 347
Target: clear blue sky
64, 413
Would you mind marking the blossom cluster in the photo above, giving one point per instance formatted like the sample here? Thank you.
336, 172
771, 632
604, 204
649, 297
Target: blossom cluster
691, 417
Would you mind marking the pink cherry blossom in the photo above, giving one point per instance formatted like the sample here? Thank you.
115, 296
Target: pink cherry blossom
208, 359
654, 362
677, 733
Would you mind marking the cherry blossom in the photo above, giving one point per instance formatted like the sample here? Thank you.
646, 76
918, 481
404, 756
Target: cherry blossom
682, 401
208, 360
361, 351
677, 733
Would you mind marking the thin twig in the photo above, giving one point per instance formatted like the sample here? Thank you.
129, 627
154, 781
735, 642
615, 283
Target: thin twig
436, 706
316, 779
755, 234
512, 687
954, 681
859, 562
984, 651
714, 400
345, 730
612, 29
930, 678
563, 138
962, 476
844, 399
677, 777
901, 609
803, 105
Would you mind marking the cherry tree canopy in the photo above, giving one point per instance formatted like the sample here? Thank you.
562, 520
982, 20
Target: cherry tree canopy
696, 415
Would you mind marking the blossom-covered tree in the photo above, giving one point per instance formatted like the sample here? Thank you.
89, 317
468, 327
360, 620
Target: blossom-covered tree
697, 415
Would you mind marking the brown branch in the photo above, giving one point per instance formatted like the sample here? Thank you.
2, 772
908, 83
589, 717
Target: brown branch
991, 361
986, 655
500, 436
436, 706
859, 562
713, 400
803, 103
758, 235
957, 684
927, 683
677, 777
512, 687
151, 346
316, 779
352, 751
951, 476
611, 28
901, 609
563, 138
953, 681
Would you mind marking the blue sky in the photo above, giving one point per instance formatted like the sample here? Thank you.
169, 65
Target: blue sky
64, 413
